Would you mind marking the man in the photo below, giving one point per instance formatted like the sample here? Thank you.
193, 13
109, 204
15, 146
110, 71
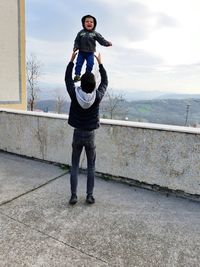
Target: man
84, 117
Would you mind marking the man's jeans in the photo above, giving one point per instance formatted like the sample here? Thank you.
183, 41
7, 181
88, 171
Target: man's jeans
83, 138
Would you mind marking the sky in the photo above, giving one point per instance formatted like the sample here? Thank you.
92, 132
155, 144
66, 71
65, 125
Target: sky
156, 43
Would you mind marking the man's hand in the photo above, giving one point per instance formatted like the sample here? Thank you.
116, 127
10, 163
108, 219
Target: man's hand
73, 56
98, 58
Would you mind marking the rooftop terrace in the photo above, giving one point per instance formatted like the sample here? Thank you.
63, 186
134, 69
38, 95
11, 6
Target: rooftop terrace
128, 225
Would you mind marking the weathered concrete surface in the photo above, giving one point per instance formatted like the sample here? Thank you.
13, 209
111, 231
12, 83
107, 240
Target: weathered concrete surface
126, 226
19, 175
166, 158
163, 155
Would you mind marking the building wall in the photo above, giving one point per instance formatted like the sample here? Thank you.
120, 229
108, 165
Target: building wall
152, 154
12, 54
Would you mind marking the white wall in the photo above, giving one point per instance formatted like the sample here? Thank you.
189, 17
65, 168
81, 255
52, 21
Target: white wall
12, 54
168, 156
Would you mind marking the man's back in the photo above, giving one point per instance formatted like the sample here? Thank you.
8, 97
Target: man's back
79, 117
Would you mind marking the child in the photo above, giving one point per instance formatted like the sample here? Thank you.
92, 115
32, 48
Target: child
85, 42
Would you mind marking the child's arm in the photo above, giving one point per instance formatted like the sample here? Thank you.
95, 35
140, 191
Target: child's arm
99, 38
76, 42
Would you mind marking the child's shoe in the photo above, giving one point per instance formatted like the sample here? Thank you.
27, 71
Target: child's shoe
77, 78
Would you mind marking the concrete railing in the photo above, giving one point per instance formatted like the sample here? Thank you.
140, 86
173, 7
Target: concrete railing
148, 154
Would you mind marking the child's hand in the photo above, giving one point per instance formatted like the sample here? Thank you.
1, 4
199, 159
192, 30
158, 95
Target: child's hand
98, 58
73, 56
110, 44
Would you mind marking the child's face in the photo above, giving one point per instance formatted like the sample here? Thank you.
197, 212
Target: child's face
89, 24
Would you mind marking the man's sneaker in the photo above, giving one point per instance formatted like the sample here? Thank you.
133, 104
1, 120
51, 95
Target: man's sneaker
77, 78
73, 199
90, 199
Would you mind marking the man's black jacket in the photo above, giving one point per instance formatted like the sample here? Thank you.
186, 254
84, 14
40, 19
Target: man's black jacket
86, 119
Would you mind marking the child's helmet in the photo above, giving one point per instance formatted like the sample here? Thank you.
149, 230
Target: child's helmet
89, 16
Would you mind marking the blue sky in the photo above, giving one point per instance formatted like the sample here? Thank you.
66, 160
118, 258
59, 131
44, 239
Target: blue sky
155, 42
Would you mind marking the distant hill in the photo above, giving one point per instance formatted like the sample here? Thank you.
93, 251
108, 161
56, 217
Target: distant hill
136, 95
163, 111
166, 111
179, 96
46, 93
151, 95
50, 106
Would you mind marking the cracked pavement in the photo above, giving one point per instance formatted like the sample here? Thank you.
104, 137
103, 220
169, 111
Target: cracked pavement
127, 226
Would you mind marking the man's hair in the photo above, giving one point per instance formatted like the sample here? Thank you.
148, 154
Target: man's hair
88, 82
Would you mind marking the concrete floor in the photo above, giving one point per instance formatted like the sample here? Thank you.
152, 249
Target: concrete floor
127, 226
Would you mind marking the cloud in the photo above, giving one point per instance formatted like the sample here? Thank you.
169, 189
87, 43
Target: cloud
131, 60
61, 20
185, 74
56, 20
166, 20
132, 20
146, 40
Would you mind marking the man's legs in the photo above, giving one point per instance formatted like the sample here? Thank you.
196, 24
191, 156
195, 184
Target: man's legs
91, 157
90, 150
76, 153
82, 139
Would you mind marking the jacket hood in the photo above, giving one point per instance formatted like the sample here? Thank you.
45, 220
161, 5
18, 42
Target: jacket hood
84, 99
86, 16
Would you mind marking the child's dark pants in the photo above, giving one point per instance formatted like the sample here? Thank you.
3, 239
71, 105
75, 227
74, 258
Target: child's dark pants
82, 56
83, 138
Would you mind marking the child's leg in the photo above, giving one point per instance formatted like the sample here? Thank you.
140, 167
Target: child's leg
79, 63
90, 61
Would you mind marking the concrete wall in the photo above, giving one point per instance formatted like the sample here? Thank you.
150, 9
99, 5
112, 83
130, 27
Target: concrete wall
12, 54
168, 156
